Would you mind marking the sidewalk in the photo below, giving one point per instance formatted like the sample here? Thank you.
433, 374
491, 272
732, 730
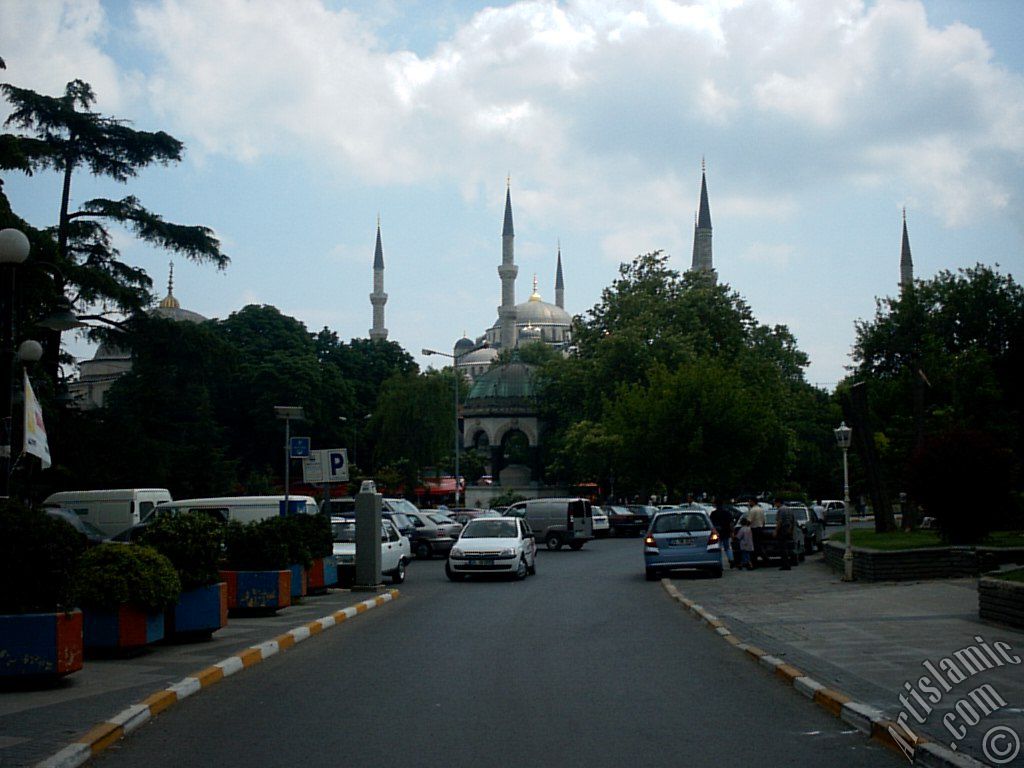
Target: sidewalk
870, 641
35, 724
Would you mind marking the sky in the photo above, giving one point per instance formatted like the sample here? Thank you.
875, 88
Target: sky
818, 121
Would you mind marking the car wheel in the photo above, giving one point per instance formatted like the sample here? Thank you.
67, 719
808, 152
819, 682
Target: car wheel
576, 546
553, 542
423, 550
717, 572
398, 575
450, 573
521, 569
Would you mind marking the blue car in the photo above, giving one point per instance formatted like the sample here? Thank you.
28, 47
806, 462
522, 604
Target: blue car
681, 538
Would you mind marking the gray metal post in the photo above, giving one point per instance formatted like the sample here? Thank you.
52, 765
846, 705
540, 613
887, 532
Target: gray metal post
287, 460
368, 543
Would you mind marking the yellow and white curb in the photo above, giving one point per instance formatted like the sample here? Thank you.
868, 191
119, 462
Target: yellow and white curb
120, 725
868, 720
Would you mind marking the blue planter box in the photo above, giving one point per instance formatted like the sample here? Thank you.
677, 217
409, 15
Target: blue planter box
200, 611
323, 574
258, 590
40, 644
126, 628
298, 580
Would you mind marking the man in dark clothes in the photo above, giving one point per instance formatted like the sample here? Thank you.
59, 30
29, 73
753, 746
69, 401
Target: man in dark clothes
721, 518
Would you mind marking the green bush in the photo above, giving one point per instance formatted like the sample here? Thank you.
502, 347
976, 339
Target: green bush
112, 575
293, 534
37, 559
256, 546
193, 542
314, 532
964, 479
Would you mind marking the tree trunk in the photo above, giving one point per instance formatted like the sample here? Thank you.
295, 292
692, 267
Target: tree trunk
855, 409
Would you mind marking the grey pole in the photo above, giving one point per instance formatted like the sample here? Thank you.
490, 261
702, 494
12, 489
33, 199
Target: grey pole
287, 459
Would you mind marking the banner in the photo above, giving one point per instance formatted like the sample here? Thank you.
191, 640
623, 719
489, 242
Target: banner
35, 432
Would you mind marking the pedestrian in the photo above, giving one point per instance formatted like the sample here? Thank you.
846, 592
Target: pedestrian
721, 518
755, 516
745, 540
785, 523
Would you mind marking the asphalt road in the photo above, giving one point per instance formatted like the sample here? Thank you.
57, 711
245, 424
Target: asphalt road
584, 664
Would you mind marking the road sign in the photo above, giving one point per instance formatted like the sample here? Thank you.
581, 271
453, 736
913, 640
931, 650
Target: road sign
299, 448
326, 466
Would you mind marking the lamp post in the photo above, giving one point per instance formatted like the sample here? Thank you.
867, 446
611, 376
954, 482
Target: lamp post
288, 412
843, 433
14, 248
355, 435
456, 359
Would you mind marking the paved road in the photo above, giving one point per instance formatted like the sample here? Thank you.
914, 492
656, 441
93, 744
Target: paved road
584, 664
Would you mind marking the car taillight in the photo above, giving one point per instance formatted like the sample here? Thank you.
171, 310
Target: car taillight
650, 542
713, 538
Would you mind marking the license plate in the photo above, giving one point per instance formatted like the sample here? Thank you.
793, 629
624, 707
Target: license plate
681, 543
481, 562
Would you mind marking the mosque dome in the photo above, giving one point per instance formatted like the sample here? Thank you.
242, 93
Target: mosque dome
503, 388
536, 311
463, 345
482, 356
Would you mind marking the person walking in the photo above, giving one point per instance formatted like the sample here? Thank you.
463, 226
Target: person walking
745, 541
755, 516
785, 522
721, 518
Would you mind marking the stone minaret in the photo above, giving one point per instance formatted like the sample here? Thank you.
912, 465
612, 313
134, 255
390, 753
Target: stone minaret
559, 283
702, 230
906, 262
507, 272
378, 298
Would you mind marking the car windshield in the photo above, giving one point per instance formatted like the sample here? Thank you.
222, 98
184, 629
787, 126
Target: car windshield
400, 520
489, 529
676, 522
769, 517
344, 531
402, 505
619, 511
800, 513
441, 519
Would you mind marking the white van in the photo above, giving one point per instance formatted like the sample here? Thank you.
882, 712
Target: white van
245, 509
112, 511
557, 522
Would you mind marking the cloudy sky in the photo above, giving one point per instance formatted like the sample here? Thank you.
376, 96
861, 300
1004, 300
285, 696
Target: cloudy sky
819, 120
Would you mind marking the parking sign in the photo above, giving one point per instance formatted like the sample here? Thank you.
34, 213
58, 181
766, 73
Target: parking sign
326, 466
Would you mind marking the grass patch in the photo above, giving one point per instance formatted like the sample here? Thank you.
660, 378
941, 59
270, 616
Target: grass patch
1015, 575
869, 539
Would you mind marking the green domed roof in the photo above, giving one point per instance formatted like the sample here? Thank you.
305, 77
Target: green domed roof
508, 385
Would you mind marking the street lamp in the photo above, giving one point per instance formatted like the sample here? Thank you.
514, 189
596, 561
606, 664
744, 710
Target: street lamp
843, 433
355, 435
14, 248
456, 359
288, 412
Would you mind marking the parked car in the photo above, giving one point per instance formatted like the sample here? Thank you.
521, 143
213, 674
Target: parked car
808, 522
340, 507
434, 533
493, 545
835, 511
463, 515
679, 539
112, 510
772, 548
601, 525
86, 530
557, 522
623, 522
394, 550
645, 512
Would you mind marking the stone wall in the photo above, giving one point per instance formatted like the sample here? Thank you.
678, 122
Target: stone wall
1001, 601
915, 564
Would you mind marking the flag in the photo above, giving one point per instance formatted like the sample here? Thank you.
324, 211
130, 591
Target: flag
35, 432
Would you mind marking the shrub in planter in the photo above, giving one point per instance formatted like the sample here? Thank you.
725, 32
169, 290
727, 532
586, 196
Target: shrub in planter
257, 566
40, 634
124, 590
316, 532
194, 543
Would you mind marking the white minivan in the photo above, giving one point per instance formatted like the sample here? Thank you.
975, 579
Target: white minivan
244, 509
112, 511
557, 522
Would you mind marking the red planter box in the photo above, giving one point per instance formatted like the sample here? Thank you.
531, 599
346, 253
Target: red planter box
126, 628
323, 574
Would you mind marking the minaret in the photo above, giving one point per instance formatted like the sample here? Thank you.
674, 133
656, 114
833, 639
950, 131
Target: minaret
702, 230
906, 262
559, 283
378, 298
507, 272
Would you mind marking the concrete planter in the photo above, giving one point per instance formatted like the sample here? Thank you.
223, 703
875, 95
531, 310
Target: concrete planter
127, 628
199, 612
40, 644
323, 574
299, 588
1001, 601
258, 591
916, 564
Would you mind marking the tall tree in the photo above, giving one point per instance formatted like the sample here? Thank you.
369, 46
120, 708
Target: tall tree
65, 135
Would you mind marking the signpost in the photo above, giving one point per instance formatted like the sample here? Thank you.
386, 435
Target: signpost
299, 448
329, 465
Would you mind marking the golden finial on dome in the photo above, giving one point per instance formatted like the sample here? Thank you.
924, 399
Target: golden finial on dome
535, 296
170, 302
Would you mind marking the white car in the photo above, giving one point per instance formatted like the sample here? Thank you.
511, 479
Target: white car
493, 545
395, 553
601, 526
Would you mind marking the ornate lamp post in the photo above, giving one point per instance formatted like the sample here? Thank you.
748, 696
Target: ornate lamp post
456, 359
14, 248
843, 433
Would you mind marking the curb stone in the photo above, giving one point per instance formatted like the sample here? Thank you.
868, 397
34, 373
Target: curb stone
868, 720
101, 736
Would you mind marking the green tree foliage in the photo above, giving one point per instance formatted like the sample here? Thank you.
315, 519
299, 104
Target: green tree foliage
958, 340
676, 385
415, 419
65, 135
